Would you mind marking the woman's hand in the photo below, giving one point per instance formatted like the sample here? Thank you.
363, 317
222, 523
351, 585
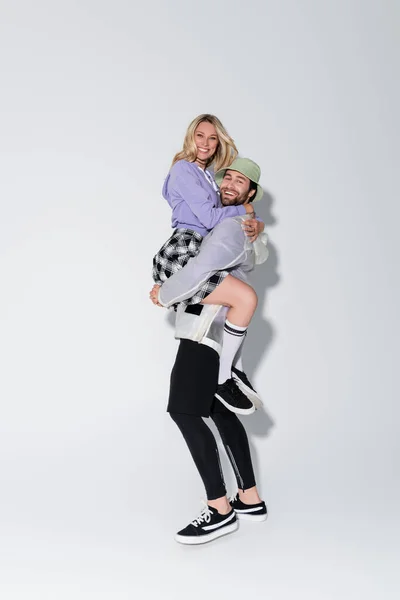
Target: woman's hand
154, 294
253, 228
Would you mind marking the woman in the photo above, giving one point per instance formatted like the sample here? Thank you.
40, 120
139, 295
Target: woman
193, 195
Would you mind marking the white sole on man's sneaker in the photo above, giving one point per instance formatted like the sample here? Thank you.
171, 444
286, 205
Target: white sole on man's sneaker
238, 411
251, 517
208, 537
251, 394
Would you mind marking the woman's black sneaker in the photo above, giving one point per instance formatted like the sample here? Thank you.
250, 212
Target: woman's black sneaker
233, 398
250, 512
208, 526
244, 384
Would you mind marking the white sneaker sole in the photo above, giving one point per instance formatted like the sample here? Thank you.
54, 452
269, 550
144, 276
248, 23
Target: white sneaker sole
238, 411
250, 517
251, 394
209, 537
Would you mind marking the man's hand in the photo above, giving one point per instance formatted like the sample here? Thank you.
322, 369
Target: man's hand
253, 228
154, 295
249, 209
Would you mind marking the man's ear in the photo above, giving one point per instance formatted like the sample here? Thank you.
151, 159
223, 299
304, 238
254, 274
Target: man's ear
250, 195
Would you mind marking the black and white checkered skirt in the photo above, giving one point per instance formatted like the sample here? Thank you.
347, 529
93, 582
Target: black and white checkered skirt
175, 253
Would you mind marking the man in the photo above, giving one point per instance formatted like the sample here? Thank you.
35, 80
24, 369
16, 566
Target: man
195, 373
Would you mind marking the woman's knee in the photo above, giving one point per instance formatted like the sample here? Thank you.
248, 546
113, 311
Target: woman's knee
243, 293
251, 298
247, 299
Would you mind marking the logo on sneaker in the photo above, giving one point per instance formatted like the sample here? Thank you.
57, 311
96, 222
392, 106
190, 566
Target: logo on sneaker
209, 525
251, 512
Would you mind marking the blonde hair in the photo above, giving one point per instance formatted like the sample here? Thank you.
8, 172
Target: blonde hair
225, 153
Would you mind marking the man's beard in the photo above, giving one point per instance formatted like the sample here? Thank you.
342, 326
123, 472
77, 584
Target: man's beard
233, 201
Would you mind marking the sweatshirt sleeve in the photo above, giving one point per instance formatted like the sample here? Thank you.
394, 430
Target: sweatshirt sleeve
223, 248
196, 197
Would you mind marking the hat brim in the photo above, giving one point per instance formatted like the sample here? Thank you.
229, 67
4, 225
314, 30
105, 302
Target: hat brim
219, 175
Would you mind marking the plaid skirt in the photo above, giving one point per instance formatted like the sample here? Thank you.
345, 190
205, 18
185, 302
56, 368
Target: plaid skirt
175, 253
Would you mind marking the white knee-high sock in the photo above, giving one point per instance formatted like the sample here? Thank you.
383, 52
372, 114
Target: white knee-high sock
232, 339
237, 361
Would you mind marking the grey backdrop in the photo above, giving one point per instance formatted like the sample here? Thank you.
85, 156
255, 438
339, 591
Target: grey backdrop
95, 478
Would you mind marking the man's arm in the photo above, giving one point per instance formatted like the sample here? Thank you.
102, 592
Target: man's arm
223, 248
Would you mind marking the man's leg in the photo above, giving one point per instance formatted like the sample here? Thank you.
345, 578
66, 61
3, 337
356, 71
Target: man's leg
193, 384
204, 451
218, 517
248, 503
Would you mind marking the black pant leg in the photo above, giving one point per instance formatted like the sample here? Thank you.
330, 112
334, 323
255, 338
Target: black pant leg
234, 438
204, 450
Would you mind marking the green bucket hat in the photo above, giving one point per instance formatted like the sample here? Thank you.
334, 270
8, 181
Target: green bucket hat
246, 167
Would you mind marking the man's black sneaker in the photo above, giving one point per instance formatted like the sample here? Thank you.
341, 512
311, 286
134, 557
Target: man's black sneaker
233, 398
250, 512
244, 384
208, 526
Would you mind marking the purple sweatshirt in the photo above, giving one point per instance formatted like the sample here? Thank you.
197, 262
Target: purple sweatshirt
195, 203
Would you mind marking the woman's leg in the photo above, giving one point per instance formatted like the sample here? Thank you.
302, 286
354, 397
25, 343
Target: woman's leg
242, 302
204, 450
238, 296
